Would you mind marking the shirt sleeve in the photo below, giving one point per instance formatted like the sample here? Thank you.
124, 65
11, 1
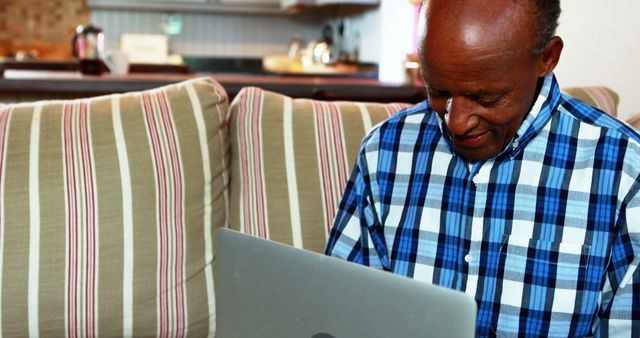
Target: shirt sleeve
620, 310
357, 234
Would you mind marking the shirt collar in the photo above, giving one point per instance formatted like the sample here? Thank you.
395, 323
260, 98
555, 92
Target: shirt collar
545, 104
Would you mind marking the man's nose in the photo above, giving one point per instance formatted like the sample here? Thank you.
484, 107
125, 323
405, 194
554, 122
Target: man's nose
460, 117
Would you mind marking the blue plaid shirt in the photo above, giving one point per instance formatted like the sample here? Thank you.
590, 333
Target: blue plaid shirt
545, 236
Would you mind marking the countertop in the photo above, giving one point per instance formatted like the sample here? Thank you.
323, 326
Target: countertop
75, 84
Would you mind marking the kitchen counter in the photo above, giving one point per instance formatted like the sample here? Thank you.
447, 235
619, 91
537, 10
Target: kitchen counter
69, 84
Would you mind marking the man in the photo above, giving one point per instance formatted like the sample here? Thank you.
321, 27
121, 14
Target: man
499, 185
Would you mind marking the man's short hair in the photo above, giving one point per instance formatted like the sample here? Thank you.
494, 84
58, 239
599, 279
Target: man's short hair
548, 15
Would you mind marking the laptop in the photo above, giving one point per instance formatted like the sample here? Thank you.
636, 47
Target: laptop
267, 289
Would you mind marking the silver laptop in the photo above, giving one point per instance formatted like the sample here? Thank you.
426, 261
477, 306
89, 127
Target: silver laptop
267, 289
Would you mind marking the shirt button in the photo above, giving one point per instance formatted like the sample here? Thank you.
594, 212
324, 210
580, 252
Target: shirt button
468, 258
516, 144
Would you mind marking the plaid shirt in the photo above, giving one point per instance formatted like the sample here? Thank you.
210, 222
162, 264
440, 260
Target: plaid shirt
545, 236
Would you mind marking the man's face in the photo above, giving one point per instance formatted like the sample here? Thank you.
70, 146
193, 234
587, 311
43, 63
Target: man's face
487, 102
486, 76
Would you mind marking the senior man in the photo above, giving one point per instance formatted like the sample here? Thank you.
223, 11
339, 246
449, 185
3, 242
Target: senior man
499, 185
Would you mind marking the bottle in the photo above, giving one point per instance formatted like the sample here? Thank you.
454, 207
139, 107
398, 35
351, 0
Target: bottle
295, 46
88, 47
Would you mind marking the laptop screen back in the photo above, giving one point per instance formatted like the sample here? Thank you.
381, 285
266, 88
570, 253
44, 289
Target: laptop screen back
267, 289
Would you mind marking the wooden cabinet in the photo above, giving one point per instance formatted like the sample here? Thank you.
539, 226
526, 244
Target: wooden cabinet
40, 29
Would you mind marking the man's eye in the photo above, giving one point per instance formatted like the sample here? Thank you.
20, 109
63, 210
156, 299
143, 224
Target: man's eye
434, 92
486, 101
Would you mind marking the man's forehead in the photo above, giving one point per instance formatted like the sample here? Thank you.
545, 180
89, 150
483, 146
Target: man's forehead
481, 6
476, 17
504, 25
471, 91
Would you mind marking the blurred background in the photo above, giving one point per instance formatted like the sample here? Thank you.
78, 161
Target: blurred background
359, 38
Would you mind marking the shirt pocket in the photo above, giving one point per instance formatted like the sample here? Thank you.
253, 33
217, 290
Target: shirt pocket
536, 260
542, 279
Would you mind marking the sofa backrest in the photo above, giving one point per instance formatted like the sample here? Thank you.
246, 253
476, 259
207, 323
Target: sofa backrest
108, 208
290, 162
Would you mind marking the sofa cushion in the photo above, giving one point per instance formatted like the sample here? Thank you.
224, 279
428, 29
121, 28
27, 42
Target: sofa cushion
109, 207
290, 161
634, 120
600, 97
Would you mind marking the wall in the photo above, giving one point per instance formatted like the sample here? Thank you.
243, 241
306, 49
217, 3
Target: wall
602, 48
215, 34
396, 39
387, 37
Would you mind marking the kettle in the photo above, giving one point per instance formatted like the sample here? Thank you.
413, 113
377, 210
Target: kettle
88, 48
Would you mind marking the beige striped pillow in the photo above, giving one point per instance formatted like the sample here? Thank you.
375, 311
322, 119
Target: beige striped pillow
108, 210
290, 161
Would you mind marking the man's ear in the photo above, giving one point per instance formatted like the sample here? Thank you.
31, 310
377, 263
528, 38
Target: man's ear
550, 56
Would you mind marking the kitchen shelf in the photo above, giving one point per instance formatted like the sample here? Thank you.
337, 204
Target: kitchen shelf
72, 65
64, 84
285, 7
185, 6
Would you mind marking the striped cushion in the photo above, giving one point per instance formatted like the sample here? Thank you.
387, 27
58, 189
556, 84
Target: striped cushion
107, 212
290, 161
602, 98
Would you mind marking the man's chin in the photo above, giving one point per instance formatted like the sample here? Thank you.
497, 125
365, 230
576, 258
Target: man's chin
476, 155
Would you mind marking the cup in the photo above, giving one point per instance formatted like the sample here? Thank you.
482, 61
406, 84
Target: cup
118, 62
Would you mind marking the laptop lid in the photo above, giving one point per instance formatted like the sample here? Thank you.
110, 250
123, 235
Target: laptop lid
268, 289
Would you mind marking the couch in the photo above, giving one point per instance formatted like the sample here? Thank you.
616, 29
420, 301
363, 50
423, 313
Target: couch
110, 204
